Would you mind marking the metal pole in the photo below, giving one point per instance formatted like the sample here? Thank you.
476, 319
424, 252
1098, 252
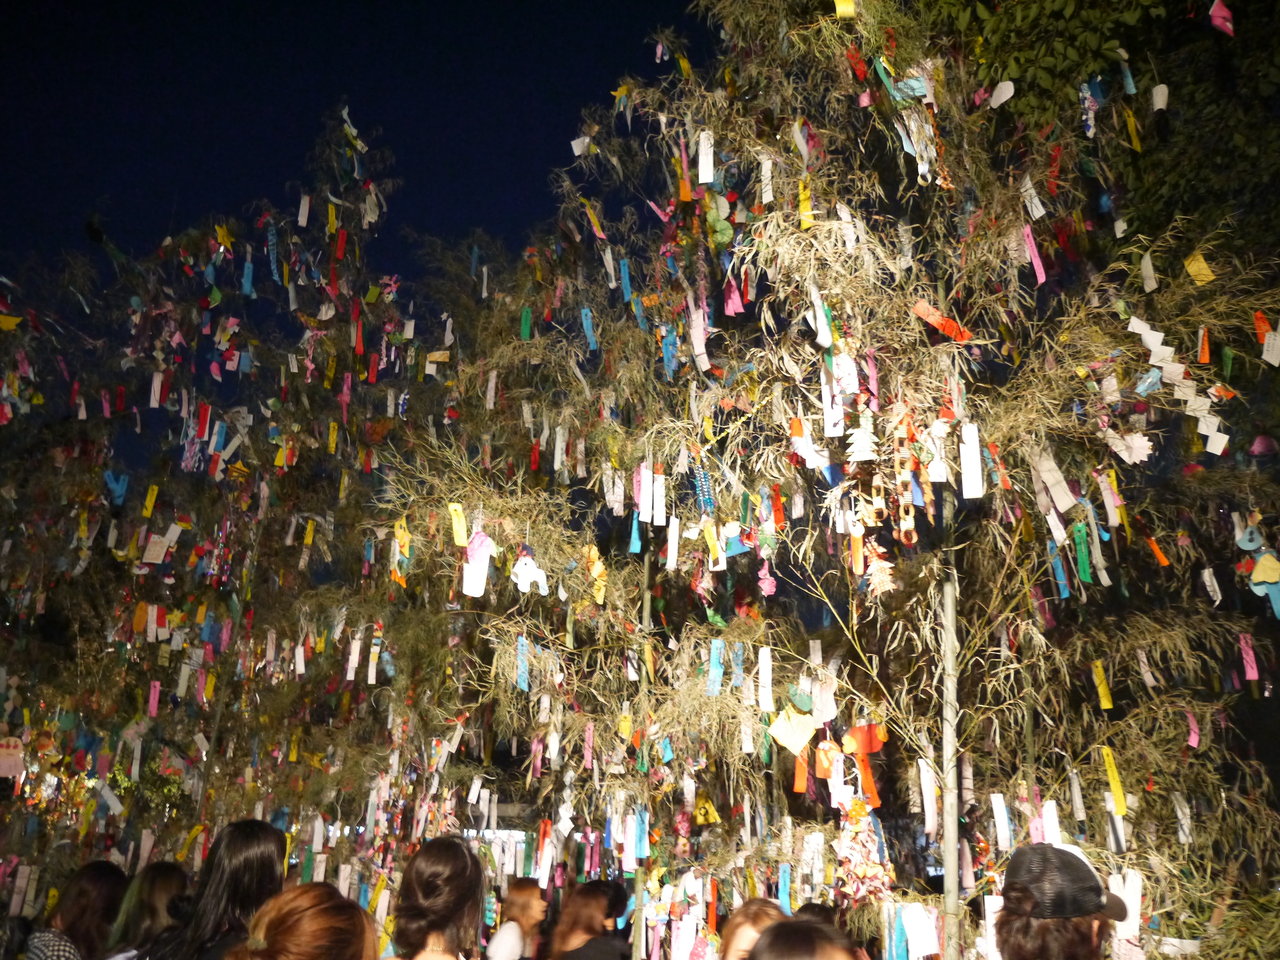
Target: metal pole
950, 753
638, 928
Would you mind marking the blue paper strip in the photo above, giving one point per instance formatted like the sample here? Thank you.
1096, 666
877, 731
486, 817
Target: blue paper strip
273, 251
1059, 572
715, 667
522, 662
588, 327
626, 280
642, 831
669, 352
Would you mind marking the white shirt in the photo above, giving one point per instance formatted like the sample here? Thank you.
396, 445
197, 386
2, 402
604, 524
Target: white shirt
507, 943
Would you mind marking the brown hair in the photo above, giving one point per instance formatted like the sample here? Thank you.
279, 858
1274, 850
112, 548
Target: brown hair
800, 940
441, 893
88, 906
145, 910
312, 921
756, 913
522, 894
1020, 936
583, 912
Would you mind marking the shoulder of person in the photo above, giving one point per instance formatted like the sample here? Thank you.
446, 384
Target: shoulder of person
507, 942
47, 944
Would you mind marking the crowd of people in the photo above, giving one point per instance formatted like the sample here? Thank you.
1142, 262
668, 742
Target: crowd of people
242, 908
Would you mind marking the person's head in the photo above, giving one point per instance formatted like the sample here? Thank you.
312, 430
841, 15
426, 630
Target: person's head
613, 908
801, 940
244, 870
145, 910
583, 917
524, 904
1054, 905
817, 913
311, 921
88, 906
744, 926
441, 896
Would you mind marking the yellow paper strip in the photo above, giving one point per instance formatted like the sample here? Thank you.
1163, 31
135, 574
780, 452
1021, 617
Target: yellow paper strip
186, 845
806, 205
1120, 510
151, 501
1117, 788
1100, 679
459, 524
1199, 269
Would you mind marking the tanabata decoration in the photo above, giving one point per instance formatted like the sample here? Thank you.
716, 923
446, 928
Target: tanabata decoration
624, 556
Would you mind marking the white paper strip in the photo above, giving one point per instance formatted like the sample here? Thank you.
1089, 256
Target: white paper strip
765, 680
659, 508
1000, 813
928, 797
673, 542
972, 481
706, 157
1049, 822
645, 504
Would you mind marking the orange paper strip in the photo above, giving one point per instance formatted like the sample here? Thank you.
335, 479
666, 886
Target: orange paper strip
945, 325
1159, 554
868, 781
801, 781
1260, 326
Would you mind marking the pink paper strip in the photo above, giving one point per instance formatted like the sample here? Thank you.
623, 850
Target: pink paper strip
153, 702
1193, 730
1033, 253
1246, 652
732, 299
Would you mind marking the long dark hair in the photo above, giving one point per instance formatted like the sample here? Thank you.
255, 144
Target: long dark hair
1020, 936
441, 893
584, 912
245, 869
89, 905
145, 910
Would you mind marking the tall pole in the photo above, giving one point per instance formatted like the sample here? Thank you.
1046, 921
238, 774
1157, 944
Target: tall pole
950, 749
639, 930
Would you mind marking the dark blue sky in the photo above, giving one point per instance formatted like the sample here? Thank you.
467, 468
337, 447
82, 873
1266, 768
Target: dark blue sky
159, 117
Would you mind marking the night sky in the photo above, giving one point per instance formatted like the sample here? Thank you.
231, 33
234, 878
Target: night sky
157, 119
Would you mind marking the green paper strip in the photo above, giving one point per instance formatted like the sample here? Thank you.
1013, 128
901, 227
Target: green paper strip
1080, 534
526, 324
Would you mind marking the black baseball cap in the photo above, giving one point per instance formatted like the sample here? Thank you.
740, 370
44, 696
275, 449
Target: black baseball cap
1063, 882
